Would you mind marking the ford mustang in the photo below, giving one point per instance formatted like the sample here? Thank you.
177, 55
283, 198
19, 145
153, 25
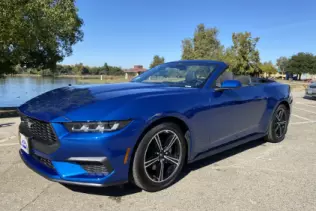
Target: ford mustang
144, 131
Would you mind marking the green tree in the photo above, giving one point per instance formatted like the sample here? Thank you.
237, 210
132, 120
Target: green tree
204, 45
64, 69
301, 63
157, 60
268, 68
115, 71
282, 63
77, 68
37, 33
106, 68
229, 56
85, 71
187, 49
246, 57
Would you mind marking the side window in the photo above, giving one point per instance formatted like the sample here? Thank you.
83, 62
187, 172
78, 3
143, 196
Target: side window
226, 75
202, 72
245, 80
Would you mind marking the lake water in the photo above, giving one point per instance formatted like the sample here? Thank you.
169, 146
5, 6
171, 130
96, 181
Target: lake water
16, 90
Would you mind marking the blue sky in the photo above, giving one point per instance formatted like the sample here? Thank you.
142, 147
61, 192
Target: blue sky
124, 33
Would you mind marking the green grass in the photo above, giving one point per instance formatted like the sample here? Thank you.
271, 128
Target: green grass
105, 80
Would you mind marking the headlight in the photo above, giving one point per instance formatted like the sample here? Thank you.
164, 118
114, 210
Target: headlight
98, 127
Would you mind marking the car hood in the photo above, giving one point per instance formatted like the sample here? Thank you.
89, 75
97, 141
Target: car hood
90, 103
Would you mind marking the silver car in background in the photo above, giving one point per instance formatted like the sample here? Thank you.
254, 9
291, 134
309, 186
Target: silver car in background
311, 90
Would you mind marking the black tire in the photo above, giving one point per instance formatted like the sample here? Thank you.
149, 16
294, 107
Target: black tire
140, 174
276, 131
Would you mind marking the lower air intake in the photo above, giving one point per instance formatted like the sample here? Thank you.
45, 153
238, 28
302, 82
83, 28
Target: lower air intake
94, 168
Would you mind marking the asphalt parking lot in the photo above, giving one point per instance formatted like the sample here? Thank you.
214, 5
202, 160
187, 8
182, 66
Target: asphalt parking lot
255, 176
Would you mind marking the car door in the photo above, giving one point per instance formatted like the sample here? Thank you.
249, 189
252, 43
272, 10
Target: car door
234, 114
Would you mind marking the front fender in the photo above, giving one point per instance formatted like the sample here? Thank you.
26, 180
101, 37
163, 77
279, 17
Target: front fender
152, 109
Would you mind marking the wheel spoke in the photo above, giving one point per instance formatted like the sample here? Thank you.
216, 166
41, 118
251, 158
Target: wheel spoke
277, 128
280, 132
161, 172
280, 115
282, 123
172, 141
172, 159
158, 142
151, 162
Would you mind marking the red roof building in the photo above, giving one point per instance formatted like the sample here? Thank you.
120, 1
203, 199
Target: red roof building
136, 70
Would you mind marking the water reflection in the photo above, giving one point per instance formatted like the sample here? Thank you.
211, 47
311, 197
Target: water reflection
16, 90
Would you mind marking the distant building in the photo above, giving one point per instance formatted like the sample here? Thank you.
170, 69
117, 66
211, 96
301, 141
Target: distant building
135, 71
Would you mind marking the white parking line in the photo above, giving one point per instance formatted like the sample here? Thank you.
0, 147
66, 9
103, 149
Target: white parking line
7, 139
304, 110
4, 145
314, 106
301, 123
300, 117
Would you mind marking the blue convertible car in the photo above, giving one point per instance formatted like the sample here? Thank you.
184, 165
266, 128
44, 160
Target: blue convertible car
144, 131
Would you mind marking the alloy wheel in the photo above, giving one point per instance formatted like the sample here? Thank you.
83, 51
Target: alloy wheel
280, 123
162, 156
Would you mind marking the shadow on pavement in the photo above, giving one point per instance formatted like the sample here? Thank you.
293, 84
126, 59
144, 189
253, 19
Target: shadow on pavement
309, 98
116, 192
7, 124
113, 191
221, 156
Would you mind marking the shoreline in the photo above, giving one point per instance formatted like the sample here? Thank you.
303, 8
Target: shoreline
68, 76
6, 112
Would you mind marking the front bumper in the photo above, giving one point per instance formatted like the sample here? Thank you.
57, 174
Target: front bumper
310, 94
53, 176
80, 157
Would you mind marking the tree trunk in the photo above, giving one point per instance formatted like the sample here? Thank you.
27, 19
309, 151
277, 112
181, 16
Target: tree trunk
299, 76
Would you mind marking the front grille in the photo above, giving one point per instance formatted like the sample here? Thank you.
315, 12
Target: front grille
44, 161
39, 130
94, 168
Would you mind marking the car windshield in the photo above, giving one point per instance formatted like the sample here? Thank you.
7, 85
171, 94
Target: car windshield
181, 74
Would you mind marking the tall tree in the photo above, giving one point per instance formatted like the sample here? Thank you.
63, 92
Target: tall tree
282, 63
229, 56
106, 69
268, 68
37, 33
301, 63
187, 49
157, 60
204, 45
246, 55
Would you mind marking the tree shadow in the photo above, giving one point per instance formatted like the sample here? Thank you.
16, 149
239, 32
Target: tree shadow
7, 124
117, 192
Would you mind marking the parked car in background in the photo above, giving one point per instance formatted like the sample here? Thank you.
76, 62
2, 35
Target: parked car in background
311, 90
146, 130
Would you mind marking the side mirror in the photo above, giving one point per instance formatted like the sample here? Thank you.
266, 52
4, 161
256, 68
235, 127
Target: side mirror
229, 84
